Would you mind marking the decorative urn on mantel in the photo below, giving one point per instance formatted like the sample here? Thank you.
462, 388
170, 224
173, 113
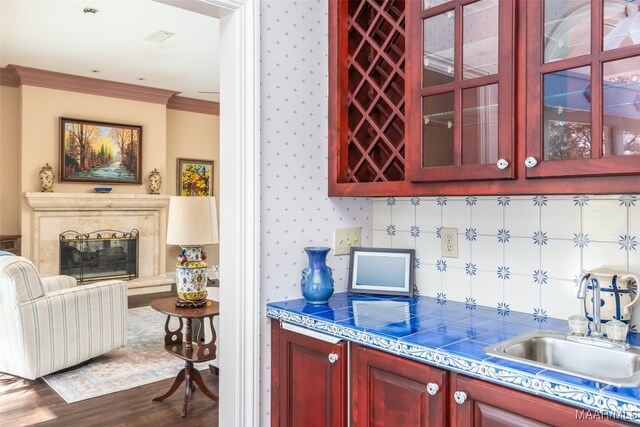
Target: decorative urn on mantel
155, 180
46, 178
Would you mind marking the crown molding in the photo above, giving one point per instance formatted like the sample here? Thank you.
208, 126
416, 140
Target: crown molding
69, 82
9, 77
193, 105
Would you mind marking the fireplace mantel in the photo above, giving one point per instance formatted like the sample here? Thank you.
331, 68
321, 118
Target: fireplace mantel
55, 213
93, 201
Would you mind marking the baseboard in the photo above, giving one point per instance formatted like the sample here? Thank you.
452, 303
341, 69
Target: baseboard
149, 285
149, 290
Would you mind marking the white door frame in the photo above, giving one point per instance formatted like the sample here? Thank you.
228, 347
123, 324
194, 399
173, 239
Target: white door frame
239, 334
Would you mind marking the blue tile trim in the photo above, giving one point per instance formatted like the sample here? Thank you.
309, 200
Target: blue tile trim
609, 400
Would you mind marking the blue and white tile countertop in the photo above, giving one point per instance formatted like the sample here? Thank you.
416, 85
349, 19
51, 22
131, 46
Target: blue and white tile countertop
452, 335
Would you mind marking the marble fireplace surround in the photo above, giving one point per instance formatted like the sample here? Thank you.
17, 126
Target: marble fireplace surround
54, 213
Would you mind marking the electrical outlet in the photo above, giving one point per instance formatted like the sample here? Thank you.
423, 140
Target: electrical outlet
449, 242
344, 238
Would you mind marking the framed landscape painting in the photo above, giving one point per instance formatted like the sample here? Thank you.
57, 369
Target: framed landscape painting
195, 177
100, 152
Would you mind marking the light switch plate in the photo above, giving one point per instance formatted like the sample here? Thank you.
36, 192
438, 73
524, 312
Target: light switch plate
344, 238
449, 242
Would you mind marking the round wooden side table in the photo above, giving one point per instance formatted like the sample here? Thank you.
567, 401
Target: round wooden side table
183, 346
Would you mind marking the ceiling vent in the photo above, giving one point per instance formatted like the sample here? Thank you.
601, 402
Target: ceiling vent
159, 36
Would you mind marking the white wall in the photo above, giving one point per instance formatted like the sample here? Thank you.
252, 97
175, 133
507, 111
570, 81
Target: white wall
295, 209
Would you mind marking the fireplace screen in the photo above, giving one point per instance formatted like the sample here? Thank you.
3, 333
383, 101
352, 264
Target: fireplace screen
99, 255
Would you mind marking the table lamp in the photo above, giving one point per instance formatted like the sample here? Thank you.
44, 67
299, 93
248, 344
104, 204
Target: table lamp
192, 224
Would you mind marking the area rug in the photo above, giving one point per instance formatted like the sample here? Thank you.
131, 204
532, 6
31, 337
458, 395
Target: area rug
141, 362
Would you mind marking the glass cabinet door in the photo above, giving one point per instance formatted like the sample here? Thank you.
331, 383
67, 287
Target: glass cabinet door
583, 88
461, 90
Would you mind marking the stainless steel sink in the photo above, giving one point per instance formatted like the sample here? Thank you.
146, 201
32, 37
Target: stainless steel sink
552, 350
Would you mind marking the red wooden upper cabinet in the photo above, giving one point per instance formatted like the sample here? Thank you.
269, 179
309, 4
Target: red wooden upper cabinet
583, 88
366, 96
460, 74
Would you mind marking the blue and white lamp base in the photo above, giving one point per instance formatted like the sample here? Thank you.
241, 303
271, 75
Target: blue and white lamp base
191, 277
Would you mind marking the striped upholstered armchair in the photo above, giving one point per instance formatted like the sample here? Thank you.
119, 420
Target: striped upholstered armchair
50, 323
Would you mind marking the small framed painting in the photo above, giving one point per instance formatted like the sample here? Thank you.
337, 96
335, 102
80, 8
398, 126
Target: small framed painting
100, 152
383, 271
195, 177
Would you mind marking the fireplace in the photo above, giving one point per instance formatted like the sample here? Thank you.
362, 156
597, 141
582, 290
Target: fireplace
54, 213
99, 255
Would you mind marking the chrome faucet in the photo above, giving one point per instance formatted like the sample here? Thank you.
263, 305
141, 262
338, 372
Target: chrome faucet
597, 337
596, 330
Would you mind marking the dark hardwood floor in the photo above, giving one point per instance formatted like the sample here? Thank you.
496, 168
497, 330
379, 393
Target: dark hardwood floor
33, 403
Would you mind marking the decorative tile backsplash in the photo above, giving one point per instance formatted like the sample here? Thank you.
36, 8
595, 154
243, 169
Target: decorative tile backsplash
516, 253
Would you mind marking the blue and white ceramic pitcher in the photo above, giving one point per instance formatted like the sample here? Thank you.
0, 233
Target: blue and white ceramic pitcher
618, 293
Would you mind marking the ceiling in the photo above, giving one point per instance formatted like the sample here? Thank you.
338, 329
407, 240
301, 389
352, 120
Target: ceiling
57, 35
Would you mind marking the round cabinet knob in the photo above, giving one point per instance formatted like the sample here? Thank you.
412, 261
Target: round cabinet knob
459, 397
432, 388
502, 164
333, 357
530, 162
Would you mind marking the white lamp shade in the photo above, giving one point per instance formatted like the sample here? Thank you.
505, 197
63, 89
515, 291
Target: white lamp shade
193, 221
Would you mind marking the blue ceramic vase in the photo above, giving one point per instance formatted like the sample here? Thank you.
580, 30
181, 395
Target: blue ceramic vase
317, 279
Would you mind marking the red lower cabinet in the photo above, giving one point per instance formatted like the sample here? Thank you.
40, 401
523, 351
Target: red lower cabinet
477, 403
308, 380
389, 390
310, 388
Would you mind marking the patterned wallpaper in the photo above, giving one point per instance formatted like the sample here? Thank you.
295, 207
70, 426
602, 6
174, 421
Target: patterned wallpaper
295, 209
